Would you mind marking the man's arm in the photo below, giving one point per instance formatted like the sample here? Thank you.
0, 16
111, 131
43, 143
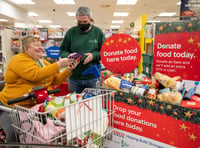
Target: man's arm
64, 47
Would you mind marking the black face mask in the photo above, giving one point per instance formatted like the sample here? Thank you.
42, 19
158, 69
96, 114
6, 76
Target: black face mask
83, 27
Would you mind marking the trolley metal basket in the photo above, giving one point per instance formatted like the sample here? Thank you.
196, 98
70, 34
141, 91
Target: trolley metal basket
87, 122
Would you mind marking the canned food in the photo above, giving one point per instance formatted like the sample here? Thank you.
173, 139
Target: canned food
140, 92
133, 90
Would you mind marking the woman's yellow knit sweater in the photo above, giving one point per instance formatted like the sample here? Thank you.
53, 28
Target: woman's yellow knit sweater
22, 74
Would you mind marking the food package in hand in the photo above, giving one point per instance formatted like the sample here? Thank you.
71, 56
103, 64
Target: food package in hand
76, 56
173, 97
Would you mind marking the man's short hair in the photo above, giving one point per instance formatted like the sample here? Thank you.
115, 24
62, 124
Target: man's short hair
84, 11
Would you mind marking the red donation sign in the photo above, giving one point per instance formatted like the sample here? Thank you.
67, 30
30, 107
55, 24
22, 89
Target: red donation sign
120, 53
177, 49
156, 126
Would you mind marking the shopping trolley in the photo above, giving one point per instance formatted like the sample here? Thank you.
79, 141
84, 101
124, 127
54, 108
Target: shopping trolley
87, 123
38, 94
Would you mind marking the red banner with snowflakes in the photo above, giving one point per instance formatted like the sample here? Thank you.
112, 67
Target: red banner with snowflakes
157, 126
177, 49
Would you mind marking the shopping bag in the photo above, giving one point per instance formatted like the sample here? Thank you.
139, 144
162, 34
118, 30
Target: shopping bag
86, 115
33, 129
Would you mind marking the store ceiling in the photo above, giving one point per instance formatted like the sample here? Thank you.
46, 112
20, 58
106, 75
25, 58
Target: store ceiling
102, 11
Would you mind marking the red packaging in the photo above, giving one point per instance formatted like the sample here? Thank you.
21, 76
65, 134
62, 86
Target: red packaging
146, 81
151, 94
191, 104
195, 98
63, 89
140, 83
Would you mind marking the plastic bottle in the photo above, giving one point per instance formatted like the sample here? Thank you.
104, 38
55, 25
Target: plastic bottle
192, 91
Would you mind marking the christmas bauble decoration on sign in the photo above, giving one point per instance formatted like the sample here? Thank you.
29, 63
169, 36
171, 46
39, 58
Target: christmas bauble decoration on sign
120, 53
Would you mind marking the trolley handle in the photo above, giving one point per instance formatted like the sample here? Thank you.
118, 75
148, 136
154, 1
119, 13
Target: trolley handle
23, 98
53, 91
30, 95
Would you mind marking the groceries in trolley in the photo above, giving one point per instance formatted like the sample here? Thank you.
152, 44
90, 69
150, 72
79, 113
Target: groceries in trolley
160, 87
66, 120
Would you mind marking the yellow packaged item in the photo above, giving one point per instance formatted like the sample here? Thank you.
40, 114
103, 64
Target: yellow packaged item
113, 82
165, 80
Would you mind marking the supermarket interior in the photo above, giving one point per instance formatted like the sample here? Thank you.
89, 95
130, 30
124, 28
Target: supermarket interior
146, 94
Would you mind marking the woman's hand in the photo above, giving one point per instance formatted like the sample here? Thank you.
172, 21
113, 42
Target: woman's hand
73, 65
65, 62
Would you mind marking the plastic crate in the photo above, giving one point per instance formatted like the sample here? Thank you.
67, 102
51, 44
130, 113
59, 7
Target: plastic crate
147, 74
147, 68
147, 58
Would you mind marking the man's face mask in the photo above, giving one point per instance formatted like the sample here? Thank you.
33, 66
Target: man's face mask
83, 27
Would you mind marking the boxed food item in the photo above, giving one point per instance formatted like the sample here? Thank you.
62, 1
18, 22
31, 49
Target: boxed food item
191, 104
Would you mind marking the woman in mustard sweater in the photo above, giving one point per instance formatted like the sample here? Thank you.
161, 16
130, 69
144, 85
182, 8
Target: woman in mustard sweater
27, 70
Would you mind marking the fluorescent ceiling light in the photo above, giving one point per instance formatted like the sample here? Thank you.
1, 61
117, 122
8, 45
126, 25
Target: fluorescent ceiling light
126, 2
121, 14
32, 14
167, 14
3, 20
44, 21
71, 13
115, 26
63, 2
179, 3
55, 26
23, 2
38, 26
20, 25
117, 21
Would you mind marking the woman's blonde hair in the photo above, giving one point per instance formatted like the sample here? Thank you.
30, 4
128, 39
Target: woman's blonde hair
27, 40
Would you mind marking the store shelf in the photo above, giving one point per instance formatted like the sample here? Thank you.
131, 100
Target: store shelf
15, 38
15, 49
51, 37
